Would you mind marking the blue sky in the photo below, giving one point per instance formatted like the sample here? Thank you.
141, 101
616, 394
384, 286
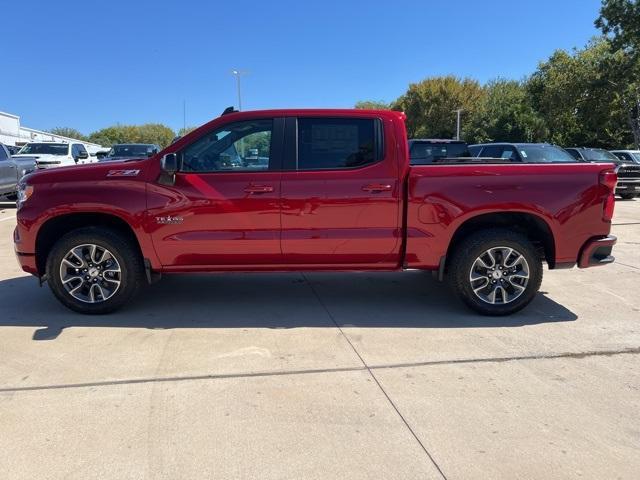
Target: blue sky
87, 65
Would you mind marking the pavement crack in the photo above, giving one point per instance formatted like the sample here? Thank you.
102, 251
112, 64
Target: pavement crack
375, 379
627, 265
316, 371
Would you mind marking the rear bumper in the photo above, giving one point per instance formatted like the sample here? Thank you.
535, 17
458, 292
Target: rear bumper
597, 252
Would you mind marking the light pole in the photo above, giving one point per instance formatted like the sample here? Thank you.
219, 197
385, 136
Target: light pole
458, 112
238, 74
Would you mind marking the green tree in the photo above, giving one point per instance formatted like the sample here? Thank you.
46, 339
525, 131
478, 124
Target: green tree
505, 114
148, 133
430, 105
620, 22
68, 132
573, 94
372, 105
184, 130
155, 133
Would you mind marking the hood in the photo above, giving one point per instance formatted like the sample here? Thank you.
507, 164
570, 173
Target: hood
91, 172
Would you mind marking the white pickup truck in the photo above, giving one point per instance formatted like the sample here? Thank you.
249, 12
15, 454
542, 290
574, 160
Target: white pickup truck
52, 154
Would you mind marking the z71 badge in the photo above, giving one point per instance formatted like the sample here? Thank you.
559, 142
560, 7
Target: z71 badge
123, 173
169, 220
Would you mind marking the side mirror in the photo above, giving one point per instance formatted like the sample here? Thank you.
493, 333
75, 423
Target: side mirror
169, 167
169, 164
82, 156
151, 153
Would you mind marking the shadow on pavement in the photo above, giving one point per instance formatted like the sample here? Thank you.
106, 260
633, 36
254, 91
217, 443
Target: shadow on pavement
287, 300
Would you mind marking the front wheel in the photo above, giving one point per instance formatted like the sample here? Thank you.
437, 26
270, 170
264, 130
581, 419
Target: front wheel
94, 270
495, 272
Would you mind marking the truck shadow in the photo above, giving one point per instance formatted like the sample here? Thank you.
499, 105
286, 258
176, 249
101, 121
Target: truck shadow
288, 300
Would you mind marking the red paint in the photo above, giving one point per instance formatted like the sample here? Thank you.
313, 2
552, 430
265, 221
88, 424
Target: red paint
352, 219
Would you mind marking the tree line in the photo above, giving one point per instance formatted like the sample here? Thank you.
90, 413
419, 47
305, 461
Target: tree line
586, 97
155, 133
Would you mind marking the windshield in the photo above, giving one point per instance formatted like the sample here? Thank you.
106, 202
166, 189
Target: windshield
131, 150
422, 153
635, 156
544, 154
45, 149
598, 155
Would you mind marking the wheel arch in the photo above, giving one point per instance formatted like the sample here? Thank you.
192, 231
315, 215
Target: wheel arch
535, 228
55, 227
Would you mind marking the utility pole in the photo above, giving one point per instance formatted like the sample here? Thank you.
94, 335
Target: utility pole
458, 112
238, 74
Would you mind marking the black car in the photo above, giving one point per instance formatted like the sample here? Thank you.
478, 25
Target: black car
123, 151
423, 151
628, 172
522, 152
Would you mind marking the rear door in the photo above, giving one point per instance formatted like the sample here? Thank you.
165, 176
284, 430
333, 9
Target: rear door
223, 210
341, 193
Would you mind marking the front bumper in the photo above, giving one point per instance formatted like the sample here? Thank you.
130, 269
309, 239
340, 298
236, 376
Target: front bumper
26, 260
597, 252
628, 186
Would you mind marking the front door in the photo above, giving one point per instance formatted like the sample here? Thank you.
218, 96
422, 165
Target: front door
223, 210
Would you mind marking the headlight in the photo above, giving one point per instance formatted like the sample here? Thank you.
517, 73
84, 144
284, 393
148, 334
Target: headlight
24, 192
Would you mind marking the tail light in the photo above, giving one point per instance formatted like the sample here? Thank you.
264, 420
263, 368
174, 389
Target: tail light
609, 178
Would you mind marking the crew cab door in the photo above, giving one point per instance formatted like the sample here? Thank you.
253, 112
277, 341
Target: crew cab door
341, 193
223, 209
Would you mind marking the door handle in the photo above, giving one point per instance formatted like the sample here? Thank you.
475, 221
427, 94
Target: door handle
258, 189
377, 187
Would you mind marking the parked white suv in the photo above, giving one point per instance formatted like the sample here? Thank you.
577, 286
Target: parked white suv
53, 154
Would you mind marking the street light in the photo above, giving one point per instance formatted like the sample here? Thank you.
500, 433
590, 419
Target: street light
238, 74
458, 112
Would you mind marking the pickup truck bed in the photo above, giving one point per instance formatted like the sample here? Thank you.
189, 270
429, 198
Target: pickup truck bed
336, 192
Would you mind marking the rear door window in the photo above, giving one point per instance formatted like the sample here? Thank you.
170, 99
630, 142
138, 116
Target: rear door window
335, 143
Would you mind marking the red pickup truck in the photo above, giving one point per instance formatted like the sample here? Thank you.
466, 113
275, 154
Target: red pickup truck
286, 190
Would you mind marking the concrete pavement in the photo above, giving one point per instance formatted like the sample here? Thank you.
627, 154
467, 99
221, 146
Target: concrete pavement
324, 376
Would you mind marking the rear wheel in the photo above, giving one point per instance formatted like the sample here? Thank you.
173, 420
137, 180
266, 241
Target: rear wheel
495, 272
94, 270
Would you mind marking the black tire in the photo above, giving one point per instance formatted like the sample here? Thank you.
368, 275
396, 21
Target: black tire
126, 255
627, 196
471, 248
12, 197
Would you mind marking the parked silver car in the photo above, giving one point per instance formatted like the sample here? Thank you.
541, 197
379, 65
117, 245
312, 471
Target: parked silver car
12, 170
